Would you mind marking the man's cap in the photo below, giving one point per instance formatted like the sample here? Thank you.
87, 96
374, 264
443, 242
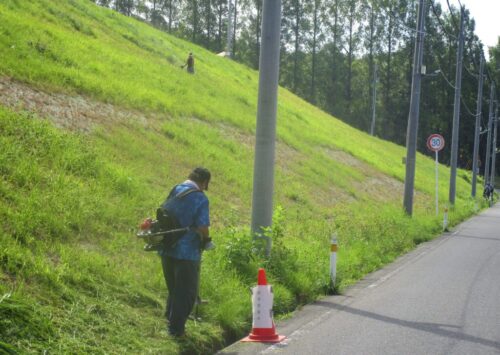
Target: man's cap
200, 174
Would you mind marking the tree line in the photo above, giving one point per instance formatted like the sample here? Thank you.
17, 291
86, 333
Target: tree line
332, 51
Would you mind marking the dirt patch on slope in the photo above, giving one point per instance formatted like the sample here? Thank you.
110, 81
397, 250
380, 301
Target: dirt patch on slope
75, 113
377, 185
81, 114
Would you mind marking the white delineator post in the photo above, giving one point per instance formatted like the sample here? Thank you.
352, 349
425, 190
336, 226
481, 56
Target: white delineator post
263, 328
333, 259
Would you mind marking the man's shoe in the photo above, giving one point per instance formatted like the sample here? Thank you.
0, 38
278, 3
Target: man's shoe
177, 335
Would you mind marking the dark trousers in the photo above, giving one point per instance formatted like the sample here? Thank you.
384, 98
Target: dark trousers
181, 277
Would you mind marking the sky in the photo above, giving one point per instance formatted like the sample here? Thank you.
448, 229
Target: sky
486, 13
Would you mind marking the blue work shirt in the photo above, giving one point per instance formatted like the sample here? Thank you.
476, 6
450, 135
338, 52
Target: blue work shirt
191, 211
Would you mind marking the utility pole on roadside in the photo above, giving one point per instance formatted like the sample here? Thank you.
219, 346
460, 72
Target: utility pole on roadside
494, 153
475, 154
265, 135
456, 111
489, 135
374, 99
411, 133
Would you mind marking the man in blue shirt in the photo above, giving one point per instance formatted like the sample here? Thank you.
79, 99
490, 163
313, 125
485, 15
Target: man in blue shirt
181, 263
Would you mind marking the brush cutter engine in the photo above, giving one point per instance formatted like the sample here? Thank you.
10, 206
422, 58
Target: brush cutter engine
162, 233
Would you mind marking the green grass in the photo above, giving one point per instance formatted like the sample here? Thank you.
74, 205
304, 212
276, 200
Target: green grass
73, 276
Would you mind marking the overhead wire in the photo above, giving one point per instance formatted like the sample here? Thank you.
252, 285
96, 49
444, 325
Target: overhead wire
473, 60
441, 72
471, 52
467, 107
491, 78
488, 74
473, 57
398, 22
451, 36
462, 100
475, 76
452, 15
443, 28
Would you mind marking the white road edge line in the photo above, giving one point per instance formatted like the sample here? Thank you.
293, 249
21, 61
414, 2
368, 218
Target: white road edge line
310, 325
301, 331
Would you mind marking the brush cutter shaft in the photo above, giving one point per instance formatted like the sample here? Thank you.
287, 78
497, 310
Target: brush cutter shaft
162, 233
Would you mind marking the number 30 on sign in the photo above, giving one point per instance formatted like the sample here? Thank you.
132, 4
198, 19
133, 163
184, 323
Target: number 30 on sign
435, 142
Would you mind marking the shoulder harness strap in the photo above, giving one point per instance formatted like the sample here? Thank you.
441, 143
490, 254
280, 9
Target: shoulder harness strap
187, 192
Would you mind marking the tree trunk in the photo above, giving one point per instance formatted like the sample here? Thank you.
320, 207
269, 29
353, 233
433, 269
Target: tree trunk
296, 51
370, 78
258, 4
334, 54
313, 69
195, 20
170, 9
350, 56
387, 89
234, 27
208, 16
219, 27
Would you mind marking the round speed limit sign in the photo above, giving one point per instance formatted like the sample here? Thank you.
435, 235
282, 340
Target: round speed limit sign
435, 142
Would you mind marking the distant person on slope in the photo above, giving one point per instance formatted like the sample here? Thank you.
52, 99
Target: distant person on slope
189, 63
181, 263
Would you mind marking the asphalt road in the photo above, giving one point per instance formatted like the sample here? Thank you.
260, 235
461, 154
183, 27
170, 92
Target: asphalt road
442, 298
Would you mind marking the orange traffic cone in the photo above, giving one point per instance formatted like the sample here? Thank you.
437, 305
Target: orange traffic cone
263, 328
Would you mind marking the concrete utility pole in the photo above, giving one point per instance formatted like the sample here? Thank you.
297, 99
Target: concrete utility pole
229, 45
456, 111
490, 131
494, 153
477, 128
411, 133
263, 176
374, 99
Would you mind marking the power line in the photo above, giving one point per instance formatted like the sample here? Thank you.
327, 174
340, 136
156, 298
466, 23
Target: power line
443, 28
468, 42
445, 78
452, 15
397, 21
471, 51
472, 57
467, 107
475, 76
488, 74
462, 100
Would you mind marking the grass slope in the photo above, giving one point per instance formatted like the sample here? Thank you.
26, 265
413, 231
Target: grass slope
73, 277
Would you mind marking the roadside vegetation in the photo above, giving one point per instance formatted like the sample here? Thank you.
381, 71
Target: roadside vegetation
73, 277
